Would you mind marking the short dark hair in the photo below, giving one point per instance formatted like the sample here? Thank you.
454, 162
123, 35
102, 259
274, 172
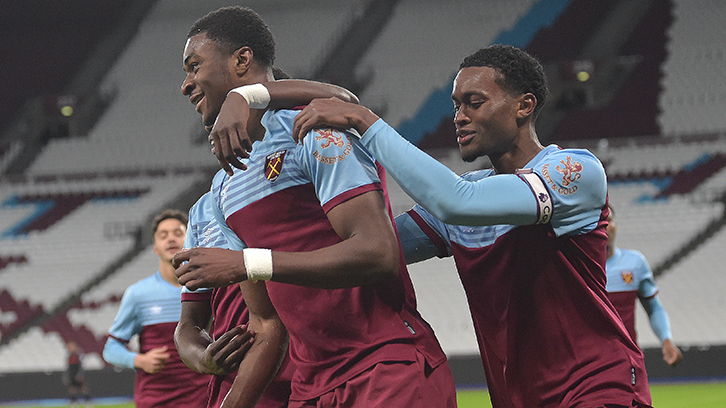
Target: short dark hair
521, 72
165, 215
235, 27
278, 73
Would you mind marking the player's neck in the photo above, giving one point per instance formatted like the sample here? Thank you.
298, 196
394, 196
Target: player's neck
522, 151
167, 273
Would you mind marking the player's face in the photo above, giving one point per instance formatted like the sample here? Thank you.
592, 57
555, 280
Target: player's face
611, 230
169, 238
210, 76
485, 114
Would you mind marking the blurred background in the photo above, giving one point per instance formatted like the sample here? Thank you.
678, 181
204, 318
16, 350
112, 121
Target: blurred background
95, 138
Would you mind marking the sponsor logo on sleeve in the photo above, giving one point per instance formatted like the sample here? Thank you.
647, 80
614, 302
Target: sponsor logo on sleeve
571, 172
273, 165
328, 138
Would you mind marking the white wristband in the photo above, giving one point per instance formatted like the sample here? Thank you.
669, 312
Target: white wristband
258, 263
257, 95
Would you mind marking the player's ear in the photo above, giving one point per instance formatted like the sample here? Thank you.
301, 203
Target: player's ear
527, 103
243, 58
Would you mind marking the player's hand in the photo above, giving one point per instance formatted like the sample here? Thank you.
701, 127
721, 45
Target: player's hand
209, 267
671, 354
332, 113
228, 136
153, 360
224, 355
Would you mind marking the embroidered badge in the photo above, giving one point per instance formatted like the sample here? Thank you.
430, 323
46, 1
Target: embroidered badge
329, 138
627, 276
570, 171
273, 165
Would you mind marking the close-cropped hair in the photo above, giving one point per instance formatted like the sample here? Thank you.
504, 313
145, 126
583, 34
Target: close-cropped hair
521, 73
165, 215
235, 27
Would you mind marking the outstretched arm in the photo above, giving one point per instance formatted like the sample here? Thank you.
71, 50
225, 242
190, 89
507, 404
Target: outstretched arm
229, 134
503, 199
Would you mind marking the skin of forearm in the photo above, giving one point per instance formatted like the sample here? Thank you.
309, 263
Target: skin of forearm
327, 269
191, 341
190, 337
260, 364
288, 93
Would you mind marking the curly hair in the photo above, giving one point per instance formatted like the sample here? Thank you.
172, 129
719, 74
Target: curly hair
520, 72
165, 215
235, 27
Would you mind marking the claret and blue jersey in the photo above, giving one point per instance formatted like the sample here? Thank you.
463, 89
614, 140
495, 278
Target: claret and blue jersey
280, 202
533, 274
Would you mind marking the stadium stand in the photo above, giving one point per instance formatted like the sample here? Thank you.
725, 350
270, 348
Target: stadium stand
70, 222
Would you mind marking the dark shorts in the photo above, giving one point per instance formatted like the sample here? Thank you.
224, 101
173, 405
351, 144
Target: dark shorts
392, 384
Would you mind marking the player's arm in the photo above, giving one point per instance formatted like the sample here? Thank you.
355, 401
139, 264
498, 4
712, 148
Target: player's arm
368, 253
124, 326
199, 351
504, 199
229, 133
661, 326
116, 353
657, 315
261, 362
417, 244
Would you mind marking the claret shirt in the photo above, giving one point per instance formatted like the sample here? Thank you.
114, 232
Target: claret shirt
280, 202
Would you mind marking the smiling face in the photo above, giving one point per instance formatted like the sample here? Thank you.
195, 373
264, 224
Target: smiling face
210, 75
169, 238
485, 114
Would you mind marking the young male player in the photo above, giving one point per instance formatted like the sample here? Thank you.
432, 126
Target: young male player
630, 278
337, 279
528, 237
151, 309
225, 350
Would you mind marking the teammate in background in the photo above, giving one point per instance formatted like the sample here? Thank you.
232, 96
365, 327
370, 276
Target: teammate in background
74, 377
528, 236
224, 310
151, 309
630, 278
339, 282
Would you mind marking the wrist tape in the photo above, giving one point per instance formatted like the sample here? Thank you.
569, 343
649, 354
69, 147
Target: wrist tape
258, 263
257, 95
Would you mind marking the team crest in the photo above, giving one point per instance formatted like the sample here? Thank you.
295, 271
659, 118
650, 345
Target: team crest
627, 276
273, 165
571, 171
329, 137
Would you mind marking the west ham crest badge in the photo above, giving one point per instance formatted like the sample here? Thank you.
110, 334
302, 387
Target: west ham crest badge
273, 165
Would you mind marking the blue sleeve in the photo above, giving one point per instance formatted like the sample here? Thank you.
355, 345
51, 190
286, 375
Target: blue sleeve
125, 325
659, 321
644, 276
577, 184
190, 238
500, 199
417, 246
336, 164
116, 353
215, 214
